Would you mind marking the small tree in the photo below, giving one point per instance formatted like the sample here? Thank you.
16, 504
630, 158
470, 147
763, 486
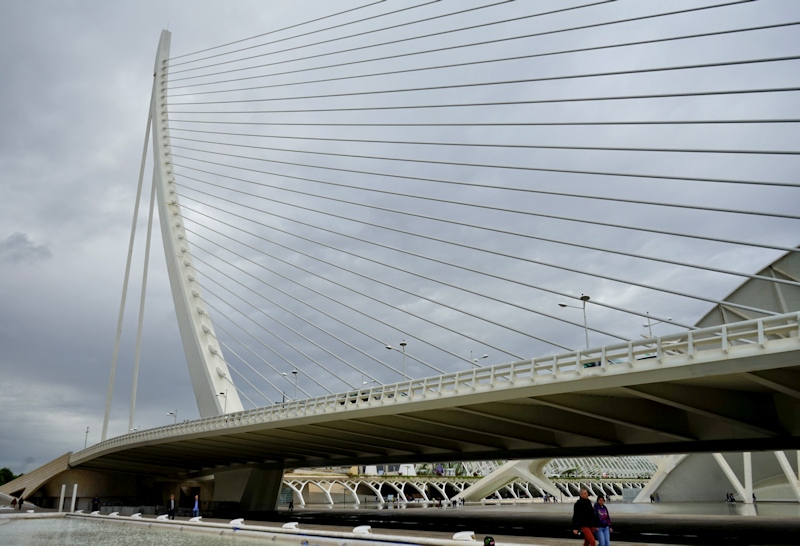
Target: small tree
6, 475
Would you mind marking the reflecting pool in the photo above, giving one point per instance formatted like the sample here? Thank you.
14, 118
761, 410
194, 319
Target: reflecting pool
82, 532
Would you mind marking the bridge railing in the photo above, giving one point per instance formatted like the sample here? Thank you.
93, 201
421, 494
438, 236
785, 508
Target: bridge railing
648, 352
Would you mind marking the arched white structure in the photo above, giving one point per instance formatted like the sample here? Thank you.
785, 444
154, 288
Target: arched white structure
211, 380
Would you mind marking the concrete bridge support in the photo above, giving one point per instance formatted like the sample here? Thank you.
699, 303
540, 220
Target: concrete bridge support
709, 476
256, 489
530, 471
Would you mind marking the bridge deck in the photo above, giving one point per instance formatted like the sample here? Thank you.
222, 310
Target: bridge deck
716, 389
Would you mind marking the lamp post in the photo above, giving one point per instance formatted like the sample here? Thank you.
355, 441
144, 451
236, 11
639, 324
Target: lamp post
175, 415
474, 361
584, 298
284, 374
403, 347
225, 396
86, 439
650, 324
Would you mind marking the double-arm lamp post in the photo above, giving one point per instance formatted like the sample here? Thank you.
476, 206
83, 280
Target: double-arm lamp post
584, 298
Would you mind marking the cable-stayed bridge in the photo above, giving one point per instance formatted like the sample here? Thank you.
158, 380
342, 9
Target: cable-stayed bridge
539, 183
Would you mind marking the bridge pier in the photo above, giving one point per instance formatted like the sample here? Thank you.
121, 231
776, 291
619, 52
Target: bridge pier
255, 489
530, 471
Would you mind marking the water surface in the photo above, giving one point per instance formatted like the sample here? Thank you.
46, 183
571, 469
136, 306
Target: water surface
81, 532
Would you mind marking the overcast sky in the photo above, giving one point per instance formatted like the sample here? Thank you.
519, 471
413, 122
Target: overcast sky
74, 101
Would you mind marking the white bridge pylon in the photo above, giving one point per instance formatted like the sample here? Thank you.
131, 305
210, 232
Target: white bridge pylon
211, 379
216, 394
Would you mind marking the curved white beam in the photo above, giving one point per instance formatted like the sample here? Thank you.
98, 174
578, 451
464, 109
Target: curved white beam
211, 380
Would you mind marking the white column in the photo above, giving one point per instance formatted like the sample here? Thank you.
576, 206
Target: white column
74, 497
666, 466
748, 478
726, 468
138, 351
61, 499
127, 273
794, 483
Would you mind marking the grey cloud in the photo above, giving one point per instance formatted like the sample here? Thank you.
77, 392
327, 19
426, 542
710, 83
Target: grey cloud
18, 248
74, 114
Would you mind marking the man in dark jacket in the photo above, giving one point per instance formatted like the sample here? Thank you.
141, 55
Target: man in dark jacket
171, 506
584, 520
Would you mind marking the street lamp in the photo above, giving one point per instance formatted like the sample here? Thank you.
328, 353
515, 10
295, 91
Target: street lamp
294, 372
286, 376
403, 347
474, 361
225, 396
650, 324
584, 298
86, 439
174, 414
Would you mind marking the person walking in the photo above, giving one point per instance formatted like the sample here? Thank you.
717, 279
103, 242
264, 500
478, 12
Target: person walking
291, 505
584, 520
196, 507
171, 507
19, 504
603, 522
13, 503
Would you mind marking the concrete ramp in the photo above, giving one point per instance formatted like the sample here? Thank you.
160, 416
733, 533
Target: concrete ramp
27, 484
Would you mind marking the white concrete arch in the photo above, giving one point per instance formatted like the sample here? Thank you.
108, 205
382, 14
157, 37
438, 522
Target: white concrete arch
563, 489
376, 488
510, 488
325, 486
352, 487
440, 487
421, 488
398, 486
298, 490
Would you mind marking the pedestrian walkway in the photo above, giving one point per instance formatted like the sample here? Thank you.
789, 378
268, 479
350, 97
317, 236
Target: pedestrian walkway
529, 526
508, 526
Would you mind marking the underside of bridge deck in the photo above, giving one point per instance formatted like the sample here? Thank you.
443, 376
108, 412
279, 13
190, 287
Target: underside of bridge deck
754, 409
